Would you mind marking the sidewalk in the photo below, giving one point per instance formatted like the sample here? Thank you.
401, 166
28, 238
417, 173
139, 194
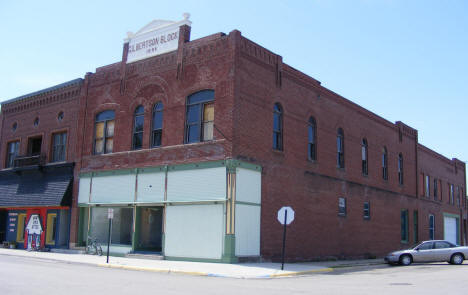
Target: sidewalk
240, 270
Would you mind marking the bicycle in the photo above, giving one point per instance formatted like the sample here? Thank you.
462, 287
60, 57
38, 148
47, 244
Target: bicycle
93, 247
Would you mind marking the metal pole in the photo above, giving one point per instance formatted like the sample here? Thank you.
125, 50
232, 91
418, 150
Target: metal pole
109, 238
284, 238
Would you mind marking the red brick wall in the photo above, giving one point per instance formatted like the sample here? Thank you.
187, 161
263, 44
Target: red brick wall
313, 188
46, 107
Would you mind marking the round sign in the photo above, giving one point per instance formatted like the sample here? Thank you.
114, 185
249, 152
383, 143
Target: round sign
286, 213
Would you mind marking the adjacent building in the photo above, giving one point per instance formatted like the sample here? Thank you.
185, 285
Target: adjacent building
196, 144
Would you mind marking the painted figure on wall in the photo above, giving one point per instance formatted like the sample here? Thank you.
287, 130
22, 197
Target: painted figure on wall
34, 229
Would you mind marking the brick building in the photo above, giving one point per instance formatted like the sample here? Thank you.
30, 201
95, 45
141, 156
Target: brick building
38, 146
196, 144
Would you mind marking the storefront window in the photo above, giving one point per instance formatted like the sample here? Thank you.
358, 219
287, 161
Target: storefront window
121, 225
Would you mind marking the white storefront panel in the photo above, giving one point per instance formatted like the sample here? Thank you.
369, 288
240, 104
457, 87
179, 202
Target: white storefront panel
118, 188
450, 229
248, 185
247, 230
83, 190
194, 231
197, 184
151, 186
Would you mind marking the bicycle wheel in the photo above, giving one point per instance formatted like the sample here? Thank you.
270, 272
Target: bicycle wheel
99, 249
90, 249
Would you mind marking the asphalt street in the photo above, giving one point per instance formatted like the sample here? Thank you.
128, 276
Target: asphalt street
20, 275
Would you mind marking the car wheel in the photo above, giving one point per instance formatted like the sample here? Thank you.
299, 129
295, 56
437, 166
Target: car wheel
405, 260
456, 259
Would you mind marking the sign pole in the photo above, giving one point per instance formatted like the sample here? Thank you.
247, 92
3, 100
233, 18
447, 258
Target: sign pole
284, 238
110, 214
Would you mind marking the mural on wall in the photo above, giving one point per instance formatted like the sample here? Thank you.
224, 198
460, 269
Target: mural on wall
34, 229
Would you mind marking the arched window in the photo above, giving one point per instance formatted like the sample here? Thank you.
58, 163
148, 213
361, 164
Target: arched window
138, 121
312, 134
200, 117
156, 136
340, 148
384, 164
104, 132
400, 168
278, 127
364, 149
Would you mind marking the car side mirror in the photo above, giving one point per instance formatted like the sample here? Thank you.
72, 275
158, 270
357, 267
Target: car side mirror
417, 249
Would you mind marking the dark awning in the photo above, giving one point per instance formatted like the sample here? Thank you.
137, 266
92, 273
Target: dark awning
45, 187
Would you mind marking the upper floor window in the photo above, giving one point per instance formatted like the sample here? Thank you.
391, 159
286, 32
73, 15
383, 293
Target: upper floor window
436, 189
451, 193
427, 186
104, 132
156, 136
12, 152
59, 147
458, 197
138, 122
384, 164
364, 148
312, 137
278, 127
340, 148
400, 168
200, 117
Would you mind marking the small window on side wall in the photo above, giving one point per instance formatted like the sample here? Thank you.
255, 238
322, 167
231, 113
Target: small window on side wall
366, 210
199, 122
104, 132
340, 148
312, 138
342, 206
400, 169
364, 148
278, 127
384, 164
431, 226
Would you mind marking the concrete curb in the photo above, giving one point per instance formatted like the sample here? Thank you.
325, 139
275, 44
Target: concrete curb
299, 273
196, 273
152, 269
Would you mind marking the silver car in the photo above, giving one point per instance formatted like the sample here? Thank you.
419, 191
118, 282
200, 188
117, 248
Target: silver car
429, 251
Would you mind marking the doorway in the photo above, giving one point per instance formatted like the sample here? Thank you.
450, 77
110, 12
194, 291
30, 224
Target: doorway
34, 146
3, 225
149, 229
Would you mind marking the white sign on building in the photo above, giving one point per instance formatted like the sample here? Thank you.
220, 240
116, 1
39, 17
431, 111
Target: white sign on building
157, 37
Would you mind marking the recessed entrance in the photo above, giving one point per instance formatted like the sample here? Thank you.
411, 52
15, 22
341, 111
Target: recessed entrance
149, 229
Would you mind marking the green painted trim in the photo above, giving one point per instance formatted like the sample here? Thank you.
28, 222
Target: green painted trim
81, 221
193, 259
199, 165
232, 163
248, 203
159, 204
86, 175
136, 233
156, 169
452, 215
201, 202
115, 172
229, 253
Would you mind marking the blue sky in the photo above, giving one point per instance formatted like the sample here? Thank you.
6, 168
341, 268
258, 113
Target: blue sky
403, 60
